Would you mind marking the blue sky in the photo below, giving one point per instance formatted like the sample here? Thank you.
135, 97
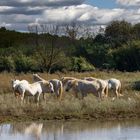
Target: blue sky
103, 3
19, 14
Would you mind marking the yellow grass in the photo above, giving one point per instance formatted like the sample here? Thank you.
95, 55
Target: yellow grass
70, 107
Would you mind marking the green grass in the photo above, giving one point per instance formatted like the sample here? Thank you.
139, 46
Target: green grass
11, 109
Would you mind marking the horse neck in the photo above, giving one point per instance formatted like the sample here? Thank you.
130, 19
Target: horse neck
36, 78
39, 77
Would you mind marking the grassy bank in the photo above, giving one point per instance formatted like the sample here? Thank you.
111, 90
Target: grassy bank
71, 108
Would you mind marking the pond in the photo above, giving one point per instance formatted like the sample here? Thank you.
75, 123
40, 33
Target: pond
71, 130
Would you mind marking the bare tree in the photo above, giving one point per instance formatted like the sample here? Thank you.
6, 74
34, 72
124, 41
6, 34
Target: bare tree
49, 52
34, 28
72, 30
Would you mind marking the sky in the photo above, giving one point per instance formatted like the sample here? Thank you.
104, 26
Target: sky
19, 14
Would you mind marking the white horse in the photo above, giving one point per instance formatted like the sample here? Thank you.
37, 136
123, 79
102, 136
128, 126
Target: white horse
57, 84
32, 89
66, 79
85, 87
114, 84
14, 86
103, 84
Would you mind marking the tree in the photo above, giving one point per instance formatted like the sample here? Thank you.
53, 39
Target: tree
49, 49
136, 31
127, 57
118, 33
72, 30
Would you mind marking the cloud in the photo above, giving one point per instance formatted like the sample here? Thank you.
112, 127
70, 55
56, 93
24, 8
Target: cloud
42, 3
129, 2
18, 14
81, 13
8, 10
3, 24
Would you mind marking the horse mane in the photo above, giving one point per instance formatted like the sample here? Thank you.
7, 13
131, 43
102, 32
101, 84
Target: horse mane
37, 77
74, 82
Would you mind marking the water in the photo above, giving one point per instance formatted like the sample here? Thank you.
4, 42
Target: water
75, 130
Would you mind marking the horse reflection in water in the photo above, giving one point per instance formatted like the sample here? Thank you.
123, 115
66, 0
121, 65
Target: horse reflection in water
34, 129
51, 131
54, 130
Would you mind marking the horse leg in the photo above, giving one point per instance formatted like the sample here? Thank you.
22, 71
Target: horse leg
83, 95
75, 94
99, 92
106, 91
22, 96
119, 91
38, 97
60, 95
116, 92
102, 94
43, 96
60, 91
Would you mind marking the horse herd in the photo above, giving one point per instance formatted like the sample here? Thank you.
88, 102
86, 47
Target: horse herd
86, 85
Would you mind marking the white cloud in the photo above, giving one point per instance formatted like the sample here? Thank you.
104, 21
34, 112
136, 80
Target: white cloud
19, 17
81, 13
129, 2
3, 24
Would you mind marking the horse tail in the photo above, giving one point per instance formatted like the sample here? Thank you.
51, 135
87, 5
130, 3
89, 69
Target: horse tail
120, 89
106, 90
60, 90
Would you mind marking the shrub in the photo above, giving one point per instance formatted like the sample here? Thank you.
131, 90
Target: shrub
25, 64
80, 64
7, 64
127, 57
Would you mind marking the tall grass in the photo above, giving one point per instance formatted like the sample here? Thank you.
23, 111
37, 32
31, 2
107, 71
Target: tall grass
70, 107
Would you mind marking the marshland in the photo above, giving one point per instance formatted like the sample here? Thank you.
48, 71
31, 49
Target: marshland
69, 38
69, 108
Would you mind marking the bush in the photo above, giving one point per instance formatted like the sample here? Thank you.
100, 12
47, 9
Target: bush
25, 64
80, 64
7, 64
127, 57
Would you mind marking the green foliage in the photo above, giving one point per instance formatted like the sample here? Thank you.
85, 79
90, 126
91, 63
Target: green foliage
128, 57
117, 48
6, 64
80, 64
136, 31
24, 64
118, 32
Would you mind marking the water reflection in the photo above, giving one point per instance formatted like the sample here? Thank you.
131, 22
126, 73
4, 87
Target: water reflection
76, 130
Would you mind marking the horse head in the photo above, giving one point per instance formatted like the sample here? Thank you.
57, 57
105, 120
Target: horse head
71, 84
51, 87
14, 82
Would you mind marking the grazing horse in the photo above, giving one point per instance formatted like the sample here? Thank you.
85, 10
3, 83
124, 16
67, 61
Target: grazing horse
103, 84
32, 89
114, 84
57, 84
14, 86
85, 87
66, 79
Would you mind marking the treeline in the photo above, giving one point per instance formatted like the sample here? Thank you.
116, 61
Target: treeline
117, 48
